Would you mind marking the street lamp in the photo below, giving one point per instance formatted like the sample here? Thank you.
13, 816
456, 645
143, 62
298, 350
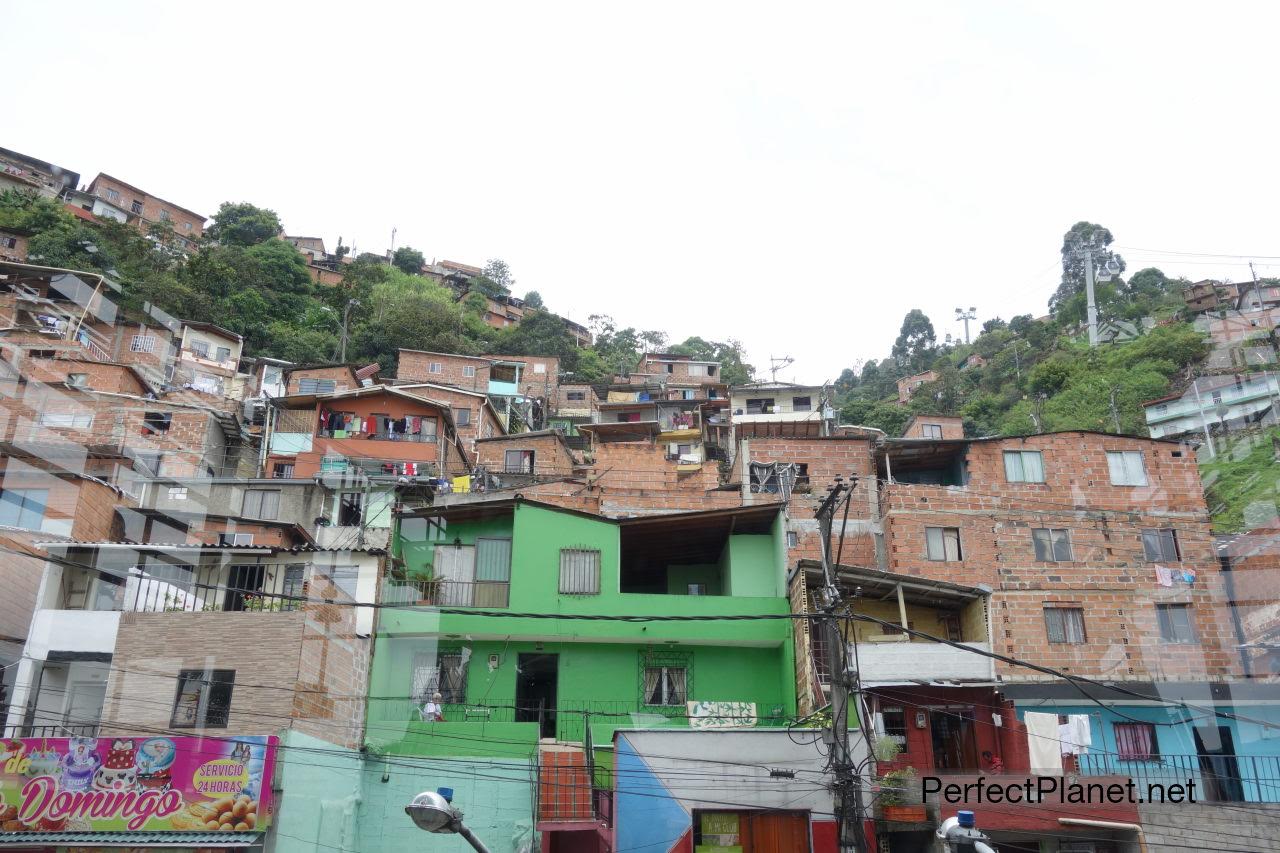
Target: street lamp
431, 812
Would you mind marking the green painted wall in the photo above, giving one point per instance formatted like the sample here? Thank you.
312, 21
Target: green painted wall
752, 567
679, 578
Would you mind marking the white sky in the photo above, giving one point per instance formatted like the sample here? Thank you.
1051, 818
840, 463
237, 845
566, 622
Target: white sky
796, 176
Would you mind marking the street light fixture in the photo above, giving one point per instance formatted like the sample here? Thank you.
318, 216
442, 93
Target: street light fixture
432, 812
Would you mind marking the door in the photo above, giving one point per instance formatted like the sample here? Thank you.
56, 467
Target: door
1218, 766
952, 734
536, 677
84, 706
455, 569
241, 581
493, 572
776, 832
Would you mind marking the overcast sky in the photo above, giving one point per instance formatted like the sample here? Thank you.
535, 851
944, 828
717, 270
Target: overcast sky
795, 176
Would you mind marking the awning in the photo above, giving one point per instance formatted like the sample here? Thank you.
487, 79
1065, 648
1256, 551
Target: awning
130, 839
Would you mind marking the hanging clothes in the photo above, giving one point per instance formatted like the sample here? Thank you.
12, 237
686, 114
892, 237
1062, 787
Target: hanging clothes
1164, 577
1044, 743
1081, 733
324, 419
371, 424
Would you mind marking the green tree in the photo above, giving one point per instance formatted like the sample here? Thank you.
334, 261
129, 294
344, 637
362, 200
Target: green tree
1079, 237
734, 369
533, 299
244, 224
498, 272
409, 260
916, 340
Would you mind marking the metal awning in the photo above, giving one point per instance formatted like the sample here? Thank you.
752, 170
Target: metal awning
915, 590
131, 839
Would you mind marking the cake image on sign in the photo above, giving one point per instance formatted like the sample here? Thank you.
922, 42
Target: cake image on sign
117, 772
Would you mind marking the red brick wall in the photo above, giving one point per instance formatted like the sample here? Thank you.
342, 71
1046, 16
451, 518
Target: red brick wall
951, 427
545, 385
480, 413
361, 447
15, 252
20, 579
151, 206
341, 376
551, 458
678, 374
100, 377
414, 366
1109, 576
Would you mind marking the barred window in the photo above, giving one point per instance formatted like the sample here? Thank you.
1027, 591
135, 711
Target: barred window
443, 672
579, 571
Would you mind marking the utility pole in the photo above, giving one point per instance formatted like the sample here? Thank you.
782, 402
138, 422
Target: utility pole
342, 345
1204, 423
1093, 302
1115, 411
844, 685
1017, 365
966, 316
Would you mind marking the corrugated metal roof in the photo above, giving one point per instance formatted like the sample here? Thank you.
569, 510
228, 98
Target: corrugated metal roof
130, 839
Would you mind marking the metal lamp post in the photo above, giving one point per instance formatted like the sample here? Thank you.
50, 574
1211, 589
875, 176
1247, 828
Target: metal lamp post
432, 812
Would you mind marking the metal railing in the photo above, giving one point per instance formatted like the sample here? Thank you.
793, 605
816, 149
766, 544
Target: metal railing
447, 593
1218, 778
148, 595
381, 435
410, 710
78, 730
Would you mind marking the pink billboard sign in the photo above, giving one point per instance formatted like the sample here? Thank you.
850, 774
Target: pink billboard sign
132, 784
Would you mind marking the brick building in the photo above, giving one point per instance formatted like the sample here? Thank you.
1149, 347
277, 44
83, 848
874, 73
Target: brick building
30, 174
145, 209
378, 429
469, 372
908, 385
473, 414
526, 454
934, 427
13, 245
208, 358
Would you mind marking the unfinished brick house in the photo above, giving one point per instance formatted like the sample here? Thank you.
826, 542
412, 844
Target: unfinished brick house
526, 455
474, 416
328, 378
144, 209
379, 429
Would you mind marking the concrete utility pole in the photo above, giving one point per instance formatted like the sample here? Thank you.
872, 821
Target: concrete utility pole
844, 685
1088, 289
346, 315
1204, 422
966, 316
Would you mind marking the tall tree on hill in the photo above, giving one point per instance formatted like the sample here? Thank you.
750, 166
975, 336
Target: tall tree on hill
734, 369
243, 224
916, 341
1080, 235
533, 299
408, 259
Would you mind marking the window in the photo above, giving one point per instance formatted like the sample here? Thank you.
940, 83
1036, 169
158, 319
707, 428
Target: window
243, 539
156, 423
576, 396
200, 348
462, 417
1136, 742
177, 493
1127, 468
113, 195
142, 343
665, 685
943, 543
317, 386
282, 471
136, 206
1064, 625
1175, 623
539, 368
711, 370
67, 420
435, 367
518, 462
697, 589
164, 215
469, 371
1023, 466
684, 449
1161, 546
697, 370
931, 430
801, 404
579, 571
761, 406
671, 368
443, 672
793, 539
261, 503
224, 354
1052, 544
23, 507
894, 722
203, 700
186, 226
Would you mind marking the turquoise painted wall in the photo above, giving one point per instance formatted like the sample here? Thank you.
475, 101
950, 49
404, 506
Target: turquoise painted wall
321, 791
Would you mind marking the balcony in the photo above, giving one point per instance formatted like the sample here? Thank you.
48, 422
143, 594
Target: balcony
247, 588
1218, 778
205, 360
447, 593
419, 438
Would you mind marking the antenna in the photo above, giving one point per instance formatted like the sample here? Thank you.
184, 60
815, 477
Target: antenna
776, 364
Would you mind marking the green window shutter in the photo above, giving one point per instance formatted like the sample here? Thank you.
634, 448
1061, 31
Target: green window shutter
493, 560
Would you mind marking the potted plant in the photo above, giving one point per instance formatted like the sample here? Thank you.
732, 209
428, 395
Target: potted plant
897, 789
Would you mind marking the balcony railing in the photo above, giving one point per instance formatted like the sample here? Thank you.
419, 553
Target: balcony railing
149, 595
1218, 778
77, 730
447, 593
382, 435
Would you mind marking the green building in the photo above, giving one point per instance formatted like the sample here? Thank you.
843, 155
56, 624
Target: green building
536, 700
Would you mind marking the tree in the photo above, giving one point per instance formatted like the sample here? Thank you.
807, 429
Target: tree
1081, 236
244, 224
731, 354
533, 299
497, 271
916, 340
408, 259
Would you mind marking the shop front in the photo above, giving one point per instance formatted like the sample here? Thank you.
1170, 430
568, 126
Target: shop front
139, 792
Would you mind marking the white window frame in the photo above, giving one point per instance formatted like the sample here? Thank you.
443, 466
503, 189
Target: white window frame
257, 503
1127, 467
931, 430
579, 571
199, 348
435, 367
142, 343
942, 544
469, 371
67, 420
1051, 538
177, 493
539, 368
1015, 466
